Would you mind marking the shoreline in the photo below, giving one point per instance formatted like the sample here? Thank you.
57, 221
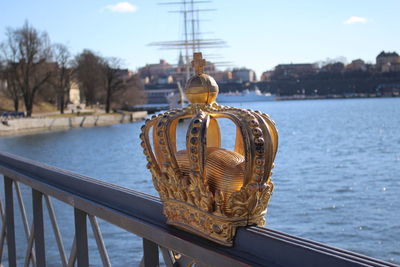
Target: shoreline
320, 97
44, 124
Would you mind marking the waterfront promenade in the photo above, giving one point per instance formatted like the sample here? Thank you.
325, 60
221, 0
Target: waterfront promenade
67, 121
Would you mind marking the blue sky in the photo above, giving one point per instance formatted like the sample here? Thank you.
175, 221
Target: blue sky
260, 33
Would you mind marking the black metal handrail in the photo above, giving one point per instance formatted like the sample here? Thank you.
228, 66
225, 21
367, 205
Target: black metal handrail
141, 214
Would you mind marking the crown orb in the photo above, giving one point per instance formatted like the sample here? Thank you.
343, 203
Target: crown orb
201, 89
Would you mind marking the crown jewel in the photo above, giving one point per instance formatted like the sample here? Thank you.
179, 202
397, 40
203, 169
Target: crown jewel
206, 189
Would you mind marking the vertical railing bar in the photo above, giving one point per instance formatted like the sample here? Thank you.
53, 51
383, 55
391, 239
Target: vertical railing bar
30, 247
2, 238
1, 211
169, 259
22, 210
38, 227
24, 218
56, 230
100, 242
72, 255
12, 257
82, 250
3, 230
150, 253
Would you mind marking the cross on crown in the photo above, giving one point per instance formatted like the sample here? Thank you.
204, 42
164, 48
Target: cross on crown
198, 63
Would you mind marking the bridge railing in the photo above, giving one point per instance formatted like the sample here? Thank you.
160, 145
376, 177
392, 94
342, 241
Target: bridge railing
140, 214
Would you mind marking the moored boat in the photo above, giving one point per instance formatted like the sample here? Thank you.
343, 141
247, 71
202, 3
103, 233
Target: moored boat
245, 96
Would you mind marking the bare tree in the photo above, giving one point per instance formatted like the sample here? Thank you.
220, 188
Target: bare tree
62, 74
115, 79
28, 52
133, 94
9, 84
89, 72
8, 59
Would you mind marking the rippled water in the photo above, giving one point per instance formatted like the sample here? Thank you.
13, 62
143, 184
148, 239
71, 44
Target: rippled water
336, 176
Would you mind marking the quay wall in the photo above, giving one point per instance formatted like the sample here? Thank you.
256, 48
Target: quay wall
28, 125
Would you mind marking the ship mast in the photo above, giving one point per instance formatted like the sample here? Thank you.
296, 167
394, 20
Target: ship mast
192, 42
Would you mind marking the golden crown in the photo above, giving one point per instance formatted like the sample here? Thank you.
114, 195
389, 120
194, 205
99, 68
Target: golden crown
206, 189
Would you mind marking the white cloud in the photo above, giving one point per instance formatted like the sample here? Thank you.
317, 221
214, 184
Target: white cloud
121, 7
355, 19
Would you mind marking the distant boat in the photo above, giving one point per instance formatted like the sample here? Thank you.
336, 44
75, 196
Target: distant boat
245, 96
177, 99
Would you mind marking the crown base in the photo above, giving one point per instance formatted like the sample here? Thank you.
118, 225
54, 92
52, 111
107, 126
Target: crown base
215, 228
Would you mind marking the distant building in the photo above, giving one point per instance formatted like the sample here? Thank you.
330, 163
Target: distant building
388, 61
336, 67
165, 73
244, 75
151, 73
294, 70
181, 62
222, 76
395, 67
266, 75
165, 79
74, 93
124, 73
357, 65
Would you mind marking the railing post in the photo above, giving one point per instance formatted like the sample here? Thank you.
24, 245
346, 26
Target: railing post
9, 202
81, 238
150, 254
38, 230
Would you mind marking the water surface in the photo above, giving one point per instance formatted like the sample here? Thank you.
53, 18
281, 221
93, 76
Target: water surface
336, 176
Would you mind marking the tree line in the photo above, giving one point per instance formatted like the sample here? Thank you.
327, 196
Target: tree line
31, 67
